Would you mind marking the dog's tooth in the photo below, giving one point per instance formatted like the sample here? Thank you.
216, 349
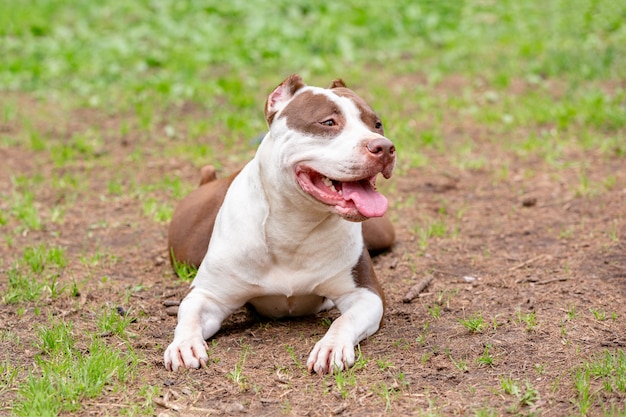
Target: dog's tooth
329, 183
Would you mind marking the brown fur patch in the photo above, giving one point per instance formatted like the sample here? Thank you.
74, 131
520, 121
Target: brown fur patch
368, 116
365, 277
308, 112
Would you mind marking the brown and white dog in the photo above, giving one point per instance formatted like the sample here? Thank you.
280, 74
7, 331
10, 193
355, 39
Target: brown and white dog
276, 231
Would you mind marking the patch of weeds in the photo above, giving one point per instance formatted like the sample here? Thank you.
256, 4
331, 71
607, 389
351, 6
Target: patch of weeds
114, 321
434, 311
610, 369
540, 368
183, 270
443, 297
585, 187
387, 393
211, 351
402, 344
401, 380
38, 257
66, 376
285, 407
384, 364
346, 378
613, 233
24, 208
582, 386
8, 376
83, 146
474, 324
530, 319
158, 212
343, 380
485, 411
468, 160
236, 375
486, 358
460, 364
529, 397
35, 273
292, 353
326, 322
56, 340
437, 228
421, 339
598, 314
609, 182
148, 393
22, 287
525, 397
509, 386
571, 312
96, 258
115, 187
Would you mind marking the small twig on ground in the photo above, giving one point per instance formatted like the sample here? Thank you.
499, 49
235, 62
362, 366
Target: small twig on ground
167, 404
528, 262
548, 281
417, 288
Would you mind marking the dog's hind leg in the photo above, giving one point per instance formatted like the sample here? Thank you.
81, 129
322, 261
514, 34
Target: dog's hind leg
378, 234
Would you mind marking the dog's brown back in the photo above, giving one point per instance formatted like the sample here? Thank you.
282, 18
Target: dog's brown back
192, 224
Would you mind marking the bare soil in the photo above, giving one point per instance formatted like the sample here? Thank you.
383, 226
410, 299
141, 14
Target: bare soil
528, 241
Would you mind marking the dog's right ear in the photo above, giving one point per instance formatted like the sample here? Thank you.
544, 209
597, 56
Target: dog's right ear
281, 95
338, 83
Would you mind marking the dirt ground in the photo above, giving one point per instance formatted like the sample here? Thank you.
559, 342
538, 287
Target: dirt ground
516, 243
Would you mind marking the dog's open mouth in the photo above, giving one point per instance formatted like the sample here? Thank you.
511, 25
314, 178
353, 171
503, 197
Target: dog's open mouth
352, 199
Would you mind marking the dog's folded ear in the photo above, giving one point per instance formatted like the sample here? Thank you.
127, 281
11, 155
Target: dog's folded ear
281, 95
338, 83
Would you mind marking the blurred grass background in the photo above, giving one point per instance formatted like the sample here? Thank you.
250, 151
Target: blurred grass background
115, 52
109, 103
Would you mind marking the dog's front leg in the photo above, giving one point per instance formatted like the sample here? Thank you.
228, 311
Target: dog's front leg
362, 311
199, 318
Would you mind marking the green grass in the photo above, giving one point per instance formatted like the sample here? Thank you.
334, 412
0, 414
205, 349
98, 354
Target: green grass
84, 50
601, 380
183, 270
236, 375
474, 323
89, 87
523, 397
65, 375
35, 275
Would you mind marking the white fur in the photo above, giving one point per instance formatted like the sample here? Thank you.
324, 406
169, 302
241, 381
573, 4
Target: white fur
283, 252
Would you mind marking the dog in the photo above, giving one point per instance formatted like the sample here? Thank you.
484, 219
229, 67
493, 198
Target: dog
285, 234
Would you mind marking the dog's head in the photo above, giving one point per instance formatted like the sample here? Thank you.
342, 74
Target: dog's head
331, 144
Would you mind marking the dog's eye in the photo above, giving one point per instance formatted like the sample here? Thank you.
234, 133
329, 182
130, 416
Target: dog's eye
329, 122
378, 125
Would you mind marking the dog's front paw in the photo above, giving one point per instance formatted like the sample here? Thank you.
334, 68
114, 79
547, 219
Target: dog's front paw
186, 353
330, 354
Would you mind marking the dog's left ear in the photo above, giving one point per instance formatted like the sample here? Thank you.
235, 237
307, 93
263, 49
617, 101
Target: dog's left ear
281, 95
338, 83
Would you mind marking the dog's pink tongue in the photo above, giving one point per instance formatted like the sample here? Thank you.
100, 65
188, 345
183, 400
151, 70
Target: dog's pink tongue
367, 200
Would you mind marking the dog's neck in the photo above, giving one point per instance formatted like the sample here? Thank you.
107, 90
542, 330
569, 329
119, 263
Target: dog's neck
291, 218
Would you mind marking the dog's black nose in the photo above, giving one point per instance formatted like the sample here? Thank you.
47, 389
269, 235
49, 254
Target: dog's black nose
381, 147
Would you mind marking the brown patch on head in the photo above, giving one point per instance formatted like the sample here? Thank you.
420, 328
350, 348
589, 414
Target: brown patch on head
315, 114
368, 116
284, 92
